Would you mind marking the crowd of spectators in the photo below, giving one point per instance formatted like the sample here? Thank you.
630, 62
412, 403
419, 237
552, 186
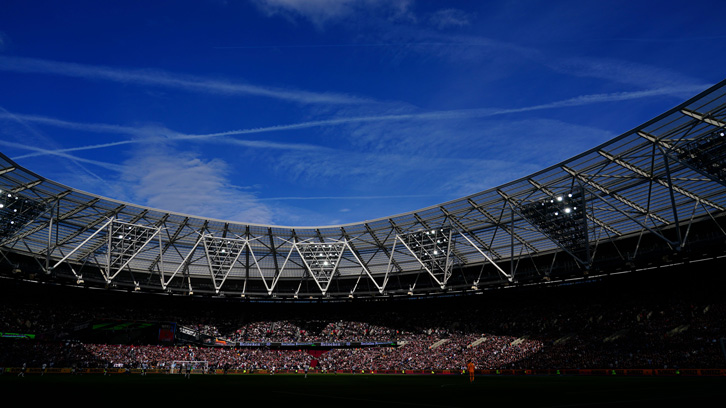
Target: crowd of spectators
654, 330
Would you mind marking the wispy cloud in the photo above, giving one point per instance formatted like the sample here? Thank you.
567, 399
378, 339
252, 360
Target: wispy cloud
443, 161
320, 12
179, 181
32, 137
371, 197
164, 79
622, 72
161, 133
450, 18
60, 153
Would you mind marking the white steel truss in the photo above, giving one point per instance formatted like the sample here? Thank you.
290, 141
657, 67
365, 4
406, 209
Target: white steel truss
222, 256
119, 243
432, 249
323, 259
659, 184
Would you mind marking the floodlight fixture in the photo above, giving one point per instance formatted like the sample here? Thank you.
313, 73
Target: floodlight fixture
561, 218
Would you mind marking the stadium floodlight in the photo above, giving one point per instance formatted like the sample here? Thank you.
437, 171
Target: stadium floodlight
562, 218
432, 249
222, 256
16, 212
322, 261
707, 154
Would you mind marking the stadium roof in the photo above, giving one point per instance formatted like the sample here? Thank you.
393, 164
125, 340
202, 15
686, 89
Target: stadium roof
656, 180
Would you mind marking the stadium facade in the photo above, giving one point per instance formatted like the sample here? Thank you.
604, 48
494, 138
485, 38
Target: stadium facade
652, 197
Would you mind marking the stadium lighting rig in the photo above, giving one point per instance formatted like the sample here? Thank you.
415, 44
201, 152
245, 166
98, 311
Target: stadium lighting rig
126, 240
562, 218
321, 259
222, 256
113, 246
16, 212
707, 154
432, 248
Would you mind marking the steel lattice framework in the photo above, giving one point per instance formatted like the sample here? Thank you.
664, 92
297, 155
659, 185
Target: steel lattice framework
649, 185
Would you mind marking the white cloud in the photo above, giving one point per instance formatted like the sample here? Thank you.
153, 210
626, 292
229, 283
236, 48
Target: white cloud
182, 182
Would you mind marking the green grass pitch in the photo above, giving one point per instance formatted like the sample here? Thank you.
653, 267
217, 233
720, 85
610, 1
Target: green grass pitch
365, 390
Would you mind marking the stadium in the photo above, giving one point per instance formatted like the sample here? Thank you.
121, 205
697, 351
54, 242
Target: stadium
605, 264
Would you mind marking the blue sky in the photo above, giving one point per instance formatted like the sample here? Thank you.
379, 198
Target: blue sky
326, 112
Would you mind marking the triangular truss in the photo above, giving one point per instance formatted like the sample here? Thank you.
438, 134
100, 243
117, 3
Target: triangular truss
113, 246
322, 260
222, 257
432, 249
125, 242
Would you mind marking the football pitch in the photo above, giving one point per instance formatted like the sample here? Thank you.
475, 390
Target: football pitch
367, 390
